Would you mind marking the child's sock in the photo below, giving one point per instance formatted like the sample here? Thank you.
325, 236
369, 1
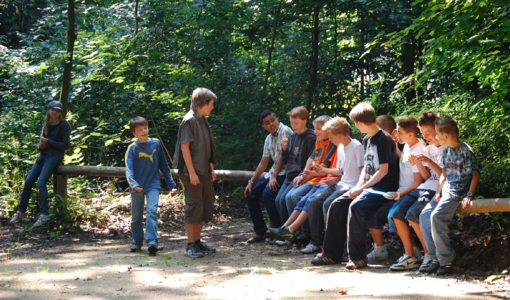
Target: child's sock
197, 241
189, 244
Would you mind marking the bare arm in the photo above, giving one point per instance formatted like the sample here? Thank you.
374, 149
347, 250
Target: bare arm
442, 180
186, 154
472, 188
417, 181
260, 168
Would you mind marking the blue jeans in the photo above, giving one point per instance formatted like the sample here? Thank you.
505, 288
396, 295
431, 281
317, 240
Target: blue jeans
151, 226
281, 205
42, 169
361, 210
261, 189
304, 203
401, 208
434, 220
295, 194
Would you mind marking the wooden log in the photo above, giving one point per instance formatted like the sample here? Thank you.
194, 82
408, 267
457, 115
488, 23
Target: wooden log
486, 206
93, 171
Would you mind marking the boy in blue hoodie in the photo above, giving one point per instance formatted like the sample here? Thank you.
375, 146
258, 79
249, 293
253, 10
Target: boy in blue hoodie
144, 158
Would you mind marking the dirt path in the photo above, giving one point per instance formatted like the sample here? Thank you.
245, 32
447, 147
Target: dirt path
99, 267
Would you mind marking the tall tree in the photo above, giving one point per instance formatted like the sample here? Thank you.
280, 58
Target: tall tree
71, 38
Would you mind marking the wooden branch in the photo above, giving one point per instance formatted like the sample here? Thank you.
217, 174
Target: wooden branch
486, 206
94, 171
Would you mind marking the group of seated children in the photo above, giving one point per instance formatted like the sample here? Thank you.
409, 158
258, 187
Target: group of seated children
327, 188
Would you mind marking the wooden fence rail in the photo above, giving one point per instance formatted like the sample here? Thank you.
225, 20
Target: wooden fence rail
477, 206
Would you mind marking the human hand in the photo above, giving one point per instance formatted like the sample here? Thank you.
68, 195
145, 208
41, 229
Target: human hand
213, 175
421, 158
297, 181
331, 181
437, 197
466, 201
392, 197
273, 184
193, 178
284, 143
354, 192
138, 189
248, 189
319, 169
42, 143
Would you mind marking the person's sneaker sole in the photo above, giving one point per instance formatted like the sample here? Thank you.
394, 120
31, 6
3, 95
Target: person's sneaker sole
358, 264
153, 250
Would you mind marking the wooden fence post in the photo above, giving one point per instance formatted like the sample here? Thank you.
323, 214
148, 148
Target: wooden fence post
61, 189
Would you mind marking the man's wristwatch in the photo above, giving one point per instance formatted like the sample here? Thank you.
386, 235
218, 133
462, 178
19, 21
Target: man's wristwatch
469, 194
250, 181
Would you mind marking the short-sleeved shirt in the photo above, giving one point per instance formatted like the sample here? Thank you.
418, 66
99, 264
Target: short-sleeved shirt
349, 160
321, 154
406, 169
459, 164
380, 149
273, 149
436, 154
187, 136
332, 162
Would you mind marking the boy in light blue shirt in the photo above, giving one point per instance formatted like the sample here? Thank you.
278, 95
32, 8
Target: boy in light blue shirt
144, 159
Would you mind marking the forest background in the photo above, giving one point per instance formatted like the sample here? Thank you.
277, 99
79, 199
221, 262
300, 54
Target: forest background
145, 58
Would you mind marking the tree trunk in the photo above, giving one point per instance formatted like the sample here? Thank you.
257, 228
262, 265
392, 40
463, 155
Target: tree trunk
362, 62
135, 65
71, 37
271, 47
315, 56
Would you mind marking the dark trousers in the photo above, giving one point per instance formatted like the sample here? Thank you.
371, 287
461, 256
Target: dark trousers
361, 211
261, 189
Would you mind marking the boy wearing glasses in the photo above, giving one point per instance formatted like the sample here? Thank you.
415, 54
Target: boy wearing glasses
269, 185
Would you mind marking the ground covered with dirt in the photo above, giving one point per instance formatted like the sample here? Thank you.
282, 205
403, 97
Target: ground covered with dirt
94, 262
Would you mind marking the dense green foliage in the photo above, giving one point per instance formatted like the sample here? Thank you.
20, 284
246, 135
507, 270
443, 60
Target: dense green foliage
449, 56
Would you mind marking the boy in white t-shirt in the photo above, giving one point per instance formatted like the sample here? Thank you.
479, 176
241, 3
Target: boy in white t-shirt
349, 165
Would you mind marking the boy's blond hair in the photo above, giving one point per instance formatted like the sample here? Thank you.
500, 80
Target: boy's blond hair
299, 112
409, 124
386, 122
321, 120
338, 125
447, 125
201, 97
364, 112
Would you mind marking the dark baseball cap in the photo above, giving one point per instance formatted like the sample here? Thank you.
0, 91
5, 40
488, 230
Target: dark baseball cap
55, 104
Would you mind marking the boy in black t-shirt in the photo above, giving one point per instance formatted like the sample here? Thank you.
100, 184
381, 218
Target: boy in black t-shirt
349, 213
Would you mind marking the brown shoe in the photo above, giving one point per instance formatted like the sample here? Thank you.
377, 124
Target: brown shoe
257, 238
357, 264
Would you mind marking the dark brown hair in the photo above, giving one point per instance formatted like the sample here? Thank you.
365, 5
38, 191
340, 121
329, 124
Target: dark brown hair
137, 121
386, 122
428, 119
447, 125
409, 124
364, 112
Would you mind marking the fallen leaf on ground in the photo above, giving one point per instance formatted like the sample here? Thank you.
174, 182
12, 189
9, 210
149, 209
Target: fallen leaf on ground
72, 287
343, 292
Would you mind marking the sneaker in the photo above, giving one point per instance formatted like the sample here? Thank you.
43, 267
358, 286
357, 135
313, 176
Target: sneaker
204, 248
310, 248
425, 264
323, 260
153, 249
257, 238
357, 264
417, 253
18, 217
379, 253
445, 270
303, 237
282, 233
193, 251
434, 265
41, 220
282, 243
135, 248
406, 263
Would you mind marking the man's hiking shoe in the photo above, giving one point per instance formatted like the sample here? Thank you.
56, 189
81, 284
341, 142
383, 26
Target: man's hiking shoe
135, 248
282, 233
282, 243
434, 265
379, 253
18, 217
41, 220
425, 264
357, 264
257, 238
204, 248
153, 249
406, 263
321, 260
310, 248
445, 270
193, 251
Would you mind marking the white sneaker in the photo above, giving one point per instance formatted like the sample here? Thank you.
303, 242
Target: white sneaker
406, 263
282, 243
41, 220
417, 253
18, 217
379, 253
310, 248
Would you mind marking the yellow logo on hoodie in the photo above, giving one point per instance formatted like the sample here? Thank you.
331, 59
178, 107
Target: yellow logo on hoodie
141, 154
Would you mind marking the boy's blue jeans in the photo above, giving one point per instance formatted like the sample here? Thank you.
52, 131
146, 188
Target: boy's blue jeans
281, 204
434, 220
151, 227
261, 189
42, 169
295, 194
